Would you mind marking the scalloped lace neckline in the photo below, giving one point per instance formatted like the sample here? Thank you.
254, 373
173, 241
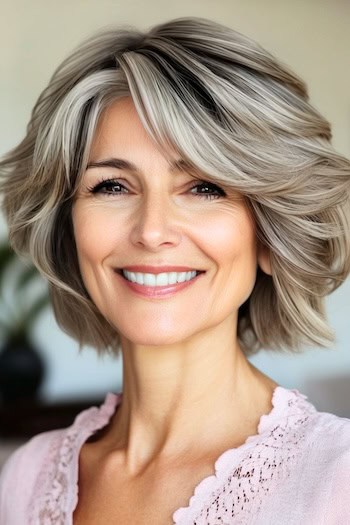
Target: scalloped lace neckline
96, 418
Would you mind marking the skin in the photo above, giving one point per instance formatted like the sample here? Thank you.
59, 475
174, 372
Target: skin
188, 389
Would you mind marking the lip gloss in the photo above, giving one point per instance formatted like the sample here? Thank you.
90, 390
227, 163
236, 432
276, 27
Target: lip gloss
158, 291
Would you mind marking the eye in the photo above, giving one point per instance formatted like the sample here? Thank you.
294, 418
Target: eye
113, 187
219, 191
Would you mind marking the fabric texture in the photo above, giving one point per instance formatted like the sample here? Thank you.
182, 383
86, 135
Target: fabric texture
295, 470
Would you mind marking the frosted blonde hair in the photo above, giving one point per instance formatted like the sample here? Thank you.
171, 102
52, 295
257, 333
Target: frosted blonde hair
232, 111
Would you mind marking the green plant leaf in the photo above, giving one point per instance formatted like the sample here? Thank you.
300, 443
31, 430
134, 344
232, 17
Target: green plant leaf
27, 275
4, 326
7, 255
39, 304
20, 318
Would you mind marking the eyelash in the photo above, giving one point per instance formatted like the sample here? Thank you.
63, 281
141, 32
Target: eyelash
208, 196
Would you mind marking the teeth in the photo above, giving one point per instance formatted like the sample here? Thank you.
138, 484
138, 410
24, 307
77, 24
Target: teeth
161, 279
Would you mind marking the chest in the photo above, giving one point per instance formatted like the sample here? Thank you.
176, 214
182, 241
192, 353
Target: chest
109, 497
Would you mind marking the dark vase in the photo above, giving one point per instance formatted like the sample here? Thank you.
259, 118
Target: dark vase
21, 371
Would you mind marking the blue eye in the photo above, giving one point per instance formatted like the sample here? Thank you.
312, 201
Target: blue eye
112, 187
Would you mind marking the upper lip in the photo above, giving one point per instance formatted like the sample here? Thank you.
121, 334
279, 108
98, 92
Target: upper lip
158, 269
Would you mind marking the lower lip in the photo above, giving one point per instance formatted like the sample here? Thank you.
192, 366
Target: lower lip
159, 291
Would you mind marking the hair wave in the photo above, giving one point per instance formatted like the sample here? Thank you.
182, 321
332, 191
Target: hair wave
235, 113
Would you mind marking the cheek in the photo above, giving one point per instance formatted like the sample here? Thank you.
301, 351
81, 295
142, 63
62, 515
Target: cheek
93, 235
233, 236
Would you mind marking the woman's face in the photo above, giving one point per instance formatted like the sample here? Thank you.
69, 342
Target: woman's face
151, 213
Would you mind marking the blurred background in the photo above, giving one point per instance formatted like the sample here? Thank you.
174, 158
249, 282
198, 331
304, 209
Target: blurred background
310, 36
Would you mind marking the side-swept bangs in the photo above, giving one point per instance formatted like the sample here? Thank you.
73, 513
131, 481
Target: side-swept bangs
234, 113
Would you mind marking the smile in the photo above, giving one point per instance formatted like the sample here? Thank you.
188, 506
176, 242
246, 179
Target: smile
160, 279
159, 285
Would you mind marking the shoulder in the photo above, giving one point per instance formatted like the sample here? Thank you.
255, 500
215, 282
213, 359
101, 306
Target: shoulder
323, 476
46, 445
330, 433
314, 461
33, 471
313, 444
331, 441
319, 431
19, 474
31, 453
334, 456
325, 437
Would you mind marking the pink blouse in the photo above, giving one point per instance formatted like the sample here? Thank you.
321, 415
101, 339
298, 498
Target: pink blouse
295, 470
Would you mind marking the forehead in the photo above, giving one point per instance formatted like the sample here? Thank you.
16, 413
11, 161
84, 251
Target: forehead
120, 126
120, 132
119, 118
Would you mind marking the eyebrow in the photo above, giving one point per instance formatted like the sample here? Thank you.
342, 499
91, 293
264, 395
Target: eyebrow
121, 164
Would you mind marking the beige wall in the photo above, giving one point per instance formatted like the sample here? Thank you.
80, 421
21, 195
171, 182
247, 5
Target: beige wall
311, 36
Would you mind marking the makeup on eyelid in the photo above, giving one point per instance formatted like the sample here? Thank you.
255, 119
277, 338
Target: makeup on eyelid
104, 183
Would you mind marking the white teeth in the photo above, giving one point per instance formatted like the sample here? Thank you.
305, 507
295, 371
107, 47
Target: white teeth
160, 279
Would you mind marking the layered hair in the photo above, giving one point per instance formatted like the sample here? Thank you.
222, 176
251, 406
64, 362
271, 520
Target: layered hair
233, 112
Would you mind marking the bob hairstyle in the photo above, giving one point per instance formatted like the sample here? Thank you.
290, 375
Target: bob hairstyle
233, 112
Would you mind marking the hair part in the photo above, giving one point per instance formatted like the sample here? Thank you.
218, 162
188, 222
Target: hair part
236, 114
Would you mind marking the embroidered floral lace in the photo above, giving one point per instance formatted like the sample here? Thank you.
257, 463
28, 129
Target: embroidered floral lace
243, 478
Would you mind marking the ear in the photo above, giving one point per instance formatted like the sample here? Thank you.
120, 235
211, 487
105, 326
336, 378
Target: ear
263, 258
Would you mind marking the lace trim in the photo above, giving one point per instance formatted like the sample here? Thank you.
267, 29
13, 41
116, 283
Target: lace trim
238, 492
53, 500
217, 498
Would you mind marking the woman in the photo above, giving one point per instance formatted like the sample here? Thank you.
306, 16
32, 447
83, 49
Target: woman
182, 198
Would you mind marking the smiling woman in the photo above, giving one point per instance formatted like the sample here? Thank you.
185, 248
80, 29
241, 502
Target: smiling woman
146, 210
185, 204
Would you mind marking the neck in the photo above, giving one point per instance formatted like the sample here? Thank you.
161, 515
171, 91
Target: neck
181, 402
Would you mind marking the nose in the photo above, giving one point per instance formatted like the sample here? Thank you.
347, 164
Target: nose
155, 223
